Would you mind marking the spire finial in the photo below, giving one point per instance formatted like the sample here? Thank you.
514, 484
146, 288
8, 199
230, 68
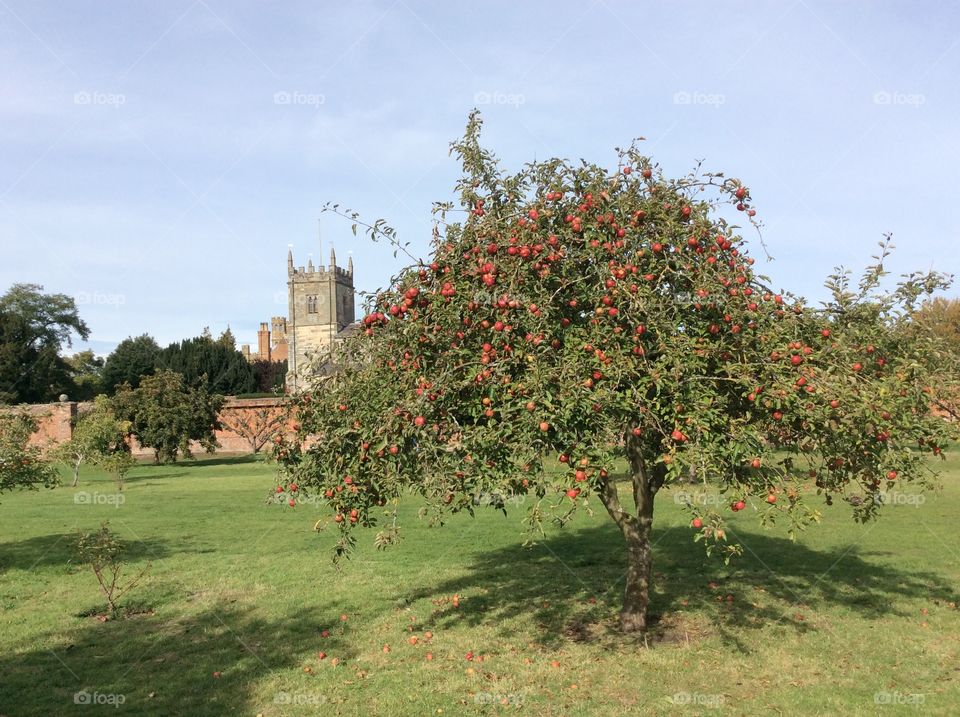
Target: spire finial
289, 258
350, 265
333, 259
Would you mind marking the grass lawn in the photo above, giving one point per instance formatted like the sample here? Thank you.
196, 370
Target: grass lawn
846, 616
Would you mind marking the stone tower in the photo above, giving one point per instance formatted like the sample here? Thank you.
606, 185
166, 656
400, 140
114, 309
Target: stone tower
321, 305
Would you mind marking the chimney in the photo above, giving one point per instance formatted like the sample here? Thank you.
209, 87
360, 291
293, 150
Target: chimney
263, 342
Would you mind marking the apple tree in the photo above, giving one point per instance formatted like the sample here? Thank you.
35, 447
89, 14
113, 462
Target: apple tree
571, 320
98, 436
22, 465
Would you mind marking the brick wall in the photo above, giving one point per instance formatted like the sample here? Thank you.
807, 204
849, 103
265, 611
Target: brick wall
55, 423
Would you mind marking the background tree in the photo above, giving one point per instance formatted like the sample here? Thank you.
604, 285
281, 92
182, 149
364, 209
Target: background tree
165, 414
98, 436
583, 316
117, 463
215, 363
33, 328
270, 376
939, 320
22, 465
86, 373
227, 340
257, 425
130, 361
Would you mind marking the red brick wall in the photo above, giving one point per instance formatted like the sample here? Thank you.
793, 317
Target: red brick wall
55, 423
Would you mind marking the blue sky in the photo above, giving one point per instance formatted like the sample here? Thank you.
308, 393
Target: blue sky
156, 159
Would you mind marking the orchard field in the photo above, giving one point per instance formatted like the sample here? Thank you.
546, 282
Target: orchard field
241, 599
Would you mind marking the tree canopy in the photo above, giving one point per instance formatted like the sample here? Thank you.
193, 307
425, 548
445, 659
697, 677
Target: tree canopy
130, 361
22, 465
214, 362
578, 317
166, 414
33, 328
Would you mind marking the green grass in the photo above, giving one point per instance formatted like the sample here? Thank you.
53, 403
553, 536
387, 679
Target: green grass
244, 588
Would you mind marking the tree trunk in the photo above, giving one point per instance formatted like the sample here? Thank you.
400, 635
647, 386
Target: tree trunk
76, 474
636, 530
636, 596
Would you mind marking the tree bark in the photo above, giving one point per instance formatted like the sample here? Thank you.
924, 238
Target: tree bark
636, 530
636, 597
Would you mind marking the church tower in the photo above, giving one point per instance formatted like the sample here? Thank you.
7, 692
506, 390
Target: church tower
321, 305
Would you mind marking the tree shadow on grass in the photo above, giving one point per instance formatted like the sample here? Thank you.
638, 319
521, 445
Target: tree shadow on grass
207, 459
59, 549
165, 665
572, 583
142, 479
